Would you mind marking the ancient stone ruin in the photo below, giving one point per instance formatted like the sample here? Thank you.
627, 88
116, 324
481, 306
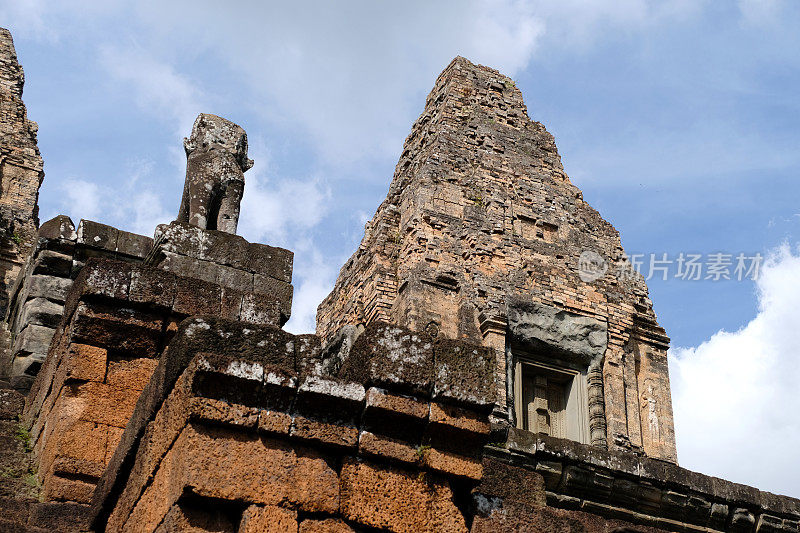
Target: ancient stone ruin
21, 171
487, 361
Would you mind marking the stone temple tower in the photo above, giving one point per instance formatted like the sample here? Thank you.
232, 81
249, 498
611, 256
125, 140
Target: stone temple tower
21, 171
483, 237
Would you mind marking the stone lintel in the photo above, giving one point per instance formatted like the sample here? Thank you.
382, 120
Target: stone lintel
534, 326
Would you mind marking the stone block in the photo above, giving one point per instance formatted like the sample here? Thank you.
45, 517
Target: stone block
397, 500
391, 357
197, 297
324, 433
280, 290
230, 379
270, 261
457, 429
71, 467
96, 235
103, 277
34, 339
624, 492
189, 267
742, 520
224, 413
85, 362
274, 422
222, 248
42, 312
329, 525
280, 388
465, 374
230, 303
387, 448
309, 355
769, 524
58, 227
543, 327
152, 286
52, 263
50, 287
241, 280
60, 489
330, 400
130, 373
231, 465
719, 515
268, 519
394, 415
452, 464
649, 498
117, 328
511, 484
133, 244
58, 517
551, 471
105, 404
262, 309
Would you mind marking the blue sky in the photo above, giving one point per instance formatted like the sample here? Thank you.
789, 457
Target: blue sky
678, 120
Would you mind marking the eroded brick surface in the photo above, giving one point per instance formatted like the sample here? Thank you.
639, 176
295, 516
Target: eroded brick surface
398, 500
257, 519
21, 170
492, 225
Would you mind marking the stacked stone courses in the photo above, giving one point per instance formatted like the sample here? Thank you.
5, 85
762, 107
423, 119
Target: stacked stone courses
165, 397
37, 298
480, 211
117, 320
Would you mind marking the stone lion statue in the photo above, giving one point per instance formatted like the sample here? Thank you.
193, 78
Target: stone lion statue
216, 160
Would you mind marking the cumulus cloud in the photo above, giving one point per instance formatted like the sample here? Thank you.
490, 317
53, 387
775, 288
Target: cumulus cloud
735, 395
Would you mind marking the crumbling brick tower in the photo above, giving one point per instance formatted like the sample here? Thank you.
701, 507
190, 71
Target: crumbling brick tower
480, 237
21, 170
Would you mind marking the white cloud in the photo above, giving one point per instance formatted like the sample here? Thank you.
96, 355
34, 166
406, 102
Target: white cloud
349, 77
571, 24
314, 276
129, 205
735, 396
279, 211
81, 198
159, 89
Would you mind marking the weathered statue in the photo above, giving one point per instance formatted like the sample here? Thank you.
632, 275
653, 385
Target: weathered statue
216, 160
